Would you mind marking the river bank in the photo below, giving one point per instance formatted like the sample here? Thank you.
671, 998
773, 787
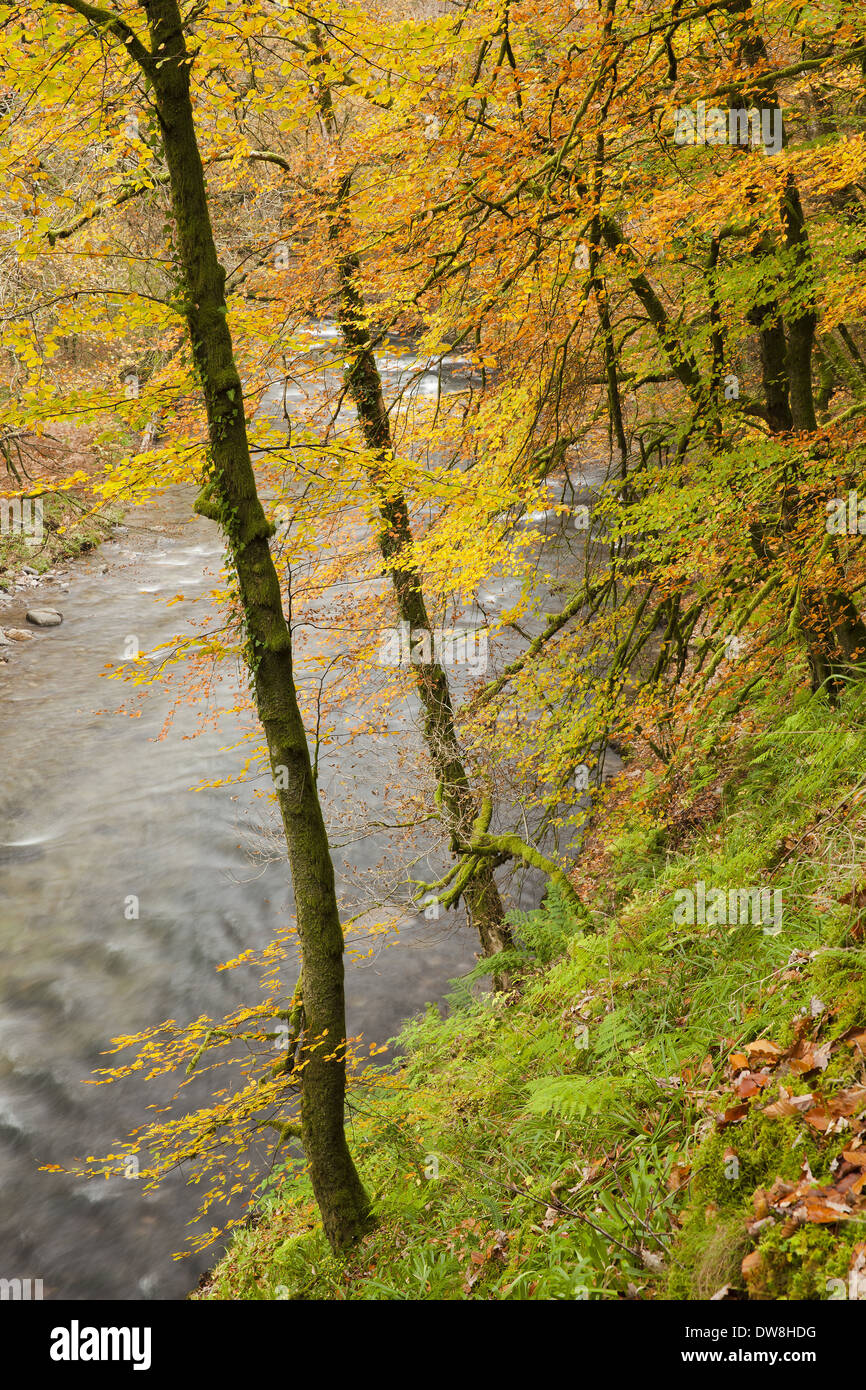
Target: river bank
657, 1109
100, 805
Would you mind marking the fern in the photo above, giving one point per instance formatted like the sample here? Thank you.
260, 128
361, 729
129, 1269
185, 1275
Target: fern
617, 1034
570, 1096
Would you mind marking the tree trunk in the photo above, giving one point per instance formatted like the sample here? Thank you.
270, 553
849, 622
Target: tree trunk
832, 629
230, 496
395, 539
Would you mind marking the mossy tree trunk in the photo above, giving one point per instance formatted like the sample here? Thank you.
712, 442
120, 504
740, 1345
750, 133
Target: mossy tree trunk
832, 629
395, 543
231, 497
364, 384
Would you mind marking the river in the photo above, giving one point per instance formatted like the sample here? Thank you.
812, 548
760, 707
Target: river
96, 809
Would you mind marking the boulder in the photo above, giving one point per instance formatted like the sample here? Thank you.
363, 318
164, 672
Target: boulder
44, 617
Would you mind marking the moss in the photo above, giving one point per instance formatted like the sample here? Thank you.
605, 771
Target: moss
801, 1265
839, 979
765, 1150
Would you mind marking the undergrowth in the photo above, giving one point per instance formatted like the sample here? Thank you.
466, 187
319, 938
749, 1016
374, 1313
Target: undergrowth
602, 1131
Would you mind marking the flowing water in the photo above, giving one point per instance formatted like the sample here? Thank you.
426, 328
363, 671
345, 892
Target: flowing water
97, 811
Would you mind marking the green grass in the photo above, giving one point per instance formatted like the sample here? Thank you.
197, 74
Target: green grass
561, 1142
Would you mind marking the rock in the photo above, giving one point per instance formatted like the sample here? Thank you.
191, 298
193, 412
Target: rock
28, 569
44, 617
18, 634
4, 640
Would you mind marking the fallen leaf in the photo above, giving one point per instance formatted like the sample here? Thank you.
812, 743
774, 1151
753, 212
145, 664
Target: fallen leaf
746, 1085
857, 1272
653, 1261
732, 1115
818, 1208
752, 1265
818, 1119
763, 1051
680, 1174
787, 1106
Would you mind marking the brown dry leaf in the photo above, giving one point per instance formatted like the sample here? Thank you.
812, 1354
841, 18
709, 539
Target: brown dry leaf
780, 1110
848, 1102
759, 1204
786, 1106
752, 1265
818, 1119
822, 1056
857, 1272
732, 1115
855, 1156
823, 1206
738, 1061
746, 1086
763, 1051
802, 1059
750, 1082
680, 1174
803, 1102
782, 1194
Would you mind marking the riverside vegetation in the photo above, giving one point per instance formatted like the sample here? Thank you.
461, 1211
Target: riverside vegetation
652, 1111
626, 238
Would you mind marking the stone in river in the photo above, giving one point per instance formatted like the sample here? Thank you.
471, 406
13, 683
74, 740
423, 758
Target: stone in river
18, 634
44, 617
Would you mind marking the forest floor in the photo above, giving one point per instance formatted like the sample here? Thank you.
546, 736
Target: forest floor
659, 1108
